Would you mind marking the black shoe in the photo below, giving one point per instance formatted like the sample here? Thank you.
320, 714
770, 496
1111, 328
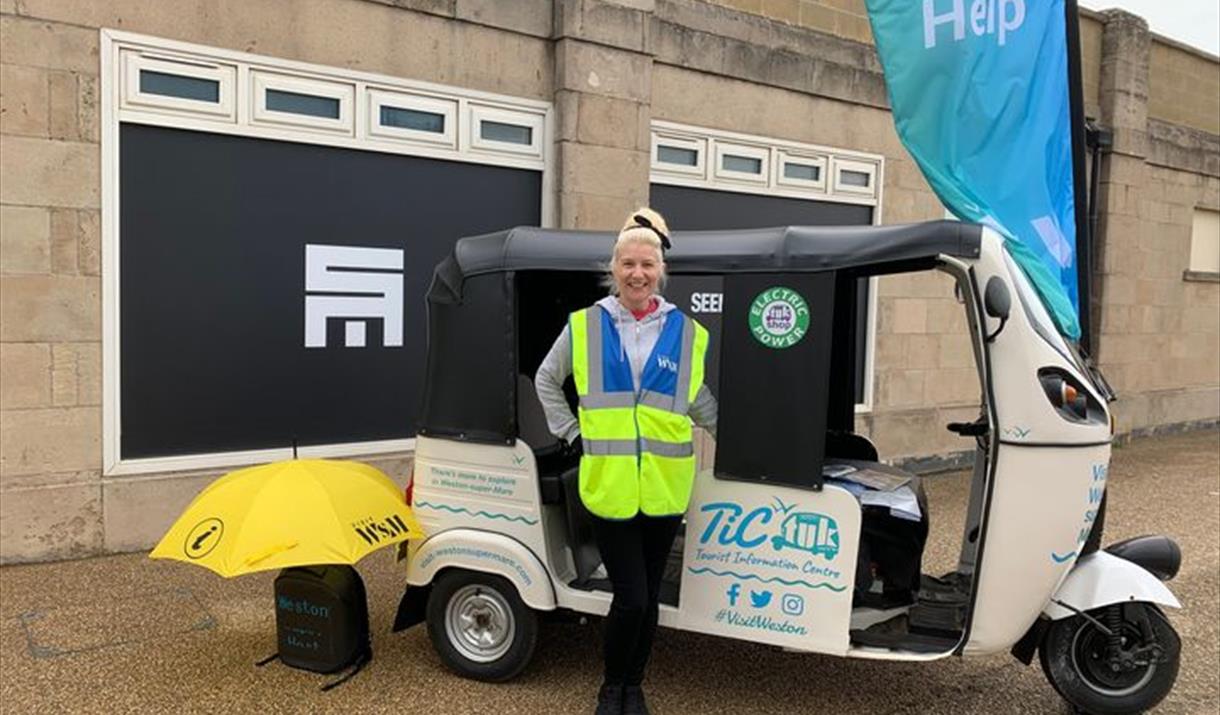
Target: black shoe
633, 701
609, 700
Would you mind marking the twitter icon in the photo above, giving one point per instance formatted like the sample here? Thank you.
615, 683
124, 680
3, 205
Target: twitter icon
760, 599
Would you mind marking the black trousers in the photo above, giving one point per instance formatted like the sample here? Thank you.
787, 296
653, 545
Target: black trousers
634, 551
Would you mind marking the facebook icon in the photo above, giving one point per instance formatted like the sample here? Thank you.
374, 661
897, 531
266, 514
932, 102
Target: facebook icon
733, 592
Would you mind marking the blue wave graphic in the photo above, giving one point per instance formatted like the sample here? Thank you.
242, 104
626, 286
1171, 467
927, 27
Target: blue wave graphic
488, 514
1060, 559
772, 579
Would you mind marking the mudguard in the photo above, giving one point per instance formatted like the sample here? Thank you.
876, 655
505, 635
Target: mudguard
1101, 579
487, 552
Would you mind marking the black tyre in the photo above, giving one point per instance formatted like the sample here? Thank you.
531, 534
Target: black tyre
479, 625
1077, 659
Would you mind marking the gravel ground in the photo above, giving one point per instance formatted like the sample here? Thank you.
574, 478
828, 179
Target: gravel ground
126, 634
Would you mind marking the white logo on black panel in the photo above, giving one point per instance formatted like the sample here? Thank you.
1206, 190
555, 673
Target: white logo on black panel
353, 284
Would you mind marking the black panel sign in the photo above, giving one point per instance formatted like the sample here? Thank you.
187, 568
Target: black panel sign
273, 291
776, 347
689, 209
702, 298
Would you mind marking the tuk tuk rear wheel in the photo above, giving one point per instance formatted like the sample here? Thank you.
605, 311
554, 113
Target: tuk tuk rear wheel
1079, 660
479, 625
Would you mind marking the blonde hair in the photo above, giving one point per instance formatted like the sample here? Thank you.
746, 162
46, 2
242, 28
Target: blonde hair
634, 231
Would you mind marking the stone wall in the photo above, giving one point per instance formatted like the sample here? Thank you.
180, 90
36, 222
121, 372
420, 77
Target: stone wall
795, 70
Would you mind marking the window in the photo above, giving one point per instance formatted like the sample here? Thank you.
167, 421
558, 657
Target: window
287, 100
855, 177
740, 162
413, 117
176, 85
500, 130
1204, 246
800, 170
161, 83
679, 155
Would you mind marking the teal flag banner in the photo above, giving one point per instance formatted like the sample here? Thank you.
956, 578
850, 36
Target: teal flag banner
979, 91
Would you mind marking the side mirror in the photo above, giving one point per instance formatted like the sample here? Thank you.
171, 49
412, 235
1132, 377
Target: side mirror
997, 301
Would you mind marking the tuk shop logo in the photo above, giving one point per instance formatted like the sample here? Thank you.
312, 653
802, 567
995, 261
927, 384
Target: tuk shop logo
203, 537
377, 531
779, 317
730, 525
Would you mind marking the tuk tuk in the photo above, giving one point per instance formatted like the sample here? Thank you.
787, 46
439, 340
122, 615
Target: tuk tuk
777, 514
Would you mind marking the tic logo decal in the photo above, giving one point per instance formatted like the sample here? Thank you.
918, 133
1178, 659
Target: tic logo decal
814, 533
666, 363
203, 537
354, 284
377, 531
779, 317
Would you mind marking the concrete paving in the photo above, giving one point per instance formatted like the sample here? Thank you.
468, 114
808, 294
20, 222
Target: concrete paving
126, 634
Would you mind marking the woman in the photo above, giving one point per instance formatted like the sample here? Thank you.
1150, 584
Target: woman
637, 362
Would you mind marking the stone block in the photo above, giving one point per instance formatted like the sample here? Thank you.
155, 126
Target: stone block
952, 387
788, 11
38, 172
524, 16
817, 16
52, 45
25, 375
50, 309
605, 121
902, 433
89, 252
23, 100
65, 241
50, 440
605, 71
76, 374
594, 211
890, 351
65, 113
904, 315
25, 240
137, 512
900, 388
50, 522
603, 170
923, 352
946, 316
954, 351
605, 23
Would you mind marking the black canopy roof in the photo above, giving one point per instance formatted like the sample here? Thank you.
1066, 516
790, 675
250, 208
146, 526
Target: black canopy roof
781, 249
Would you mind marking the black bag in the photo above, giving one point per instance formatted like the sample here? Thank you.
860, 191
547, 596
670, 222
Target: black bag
322, 619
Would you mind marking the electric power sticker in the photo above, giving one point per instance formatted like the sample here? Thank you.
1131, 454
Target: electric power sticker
779, 317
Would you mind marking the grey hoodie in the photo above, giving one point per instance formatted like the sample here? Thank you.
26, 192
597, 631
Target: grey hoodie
637, 338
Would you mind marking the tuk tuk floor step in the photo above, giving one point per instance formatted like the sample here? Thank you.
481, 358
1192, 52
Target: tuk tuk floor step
895, 634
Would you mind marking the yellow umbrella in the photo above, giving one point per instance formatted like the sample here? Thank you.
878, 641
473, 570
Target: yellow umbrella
294, 513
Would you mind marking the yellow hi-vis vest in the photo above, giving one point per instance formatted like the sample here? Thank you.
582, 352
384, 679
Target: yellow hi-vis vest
638, 454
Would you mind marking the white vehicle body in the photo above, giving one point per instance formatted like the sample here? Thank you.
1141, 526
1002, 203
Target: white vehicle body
749, 571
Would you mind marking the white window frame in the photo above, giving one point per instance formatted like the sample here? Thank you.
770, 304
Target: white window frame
785, 157
446, 108
261, 81
709, 139
864, 167
133, 62
678, 141
746, 151
238, 69
480, 113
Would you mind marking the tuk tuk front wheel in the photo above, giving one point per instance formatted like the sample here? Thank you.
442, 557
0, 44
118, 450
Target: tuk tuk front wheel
1128, 670
479, 625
